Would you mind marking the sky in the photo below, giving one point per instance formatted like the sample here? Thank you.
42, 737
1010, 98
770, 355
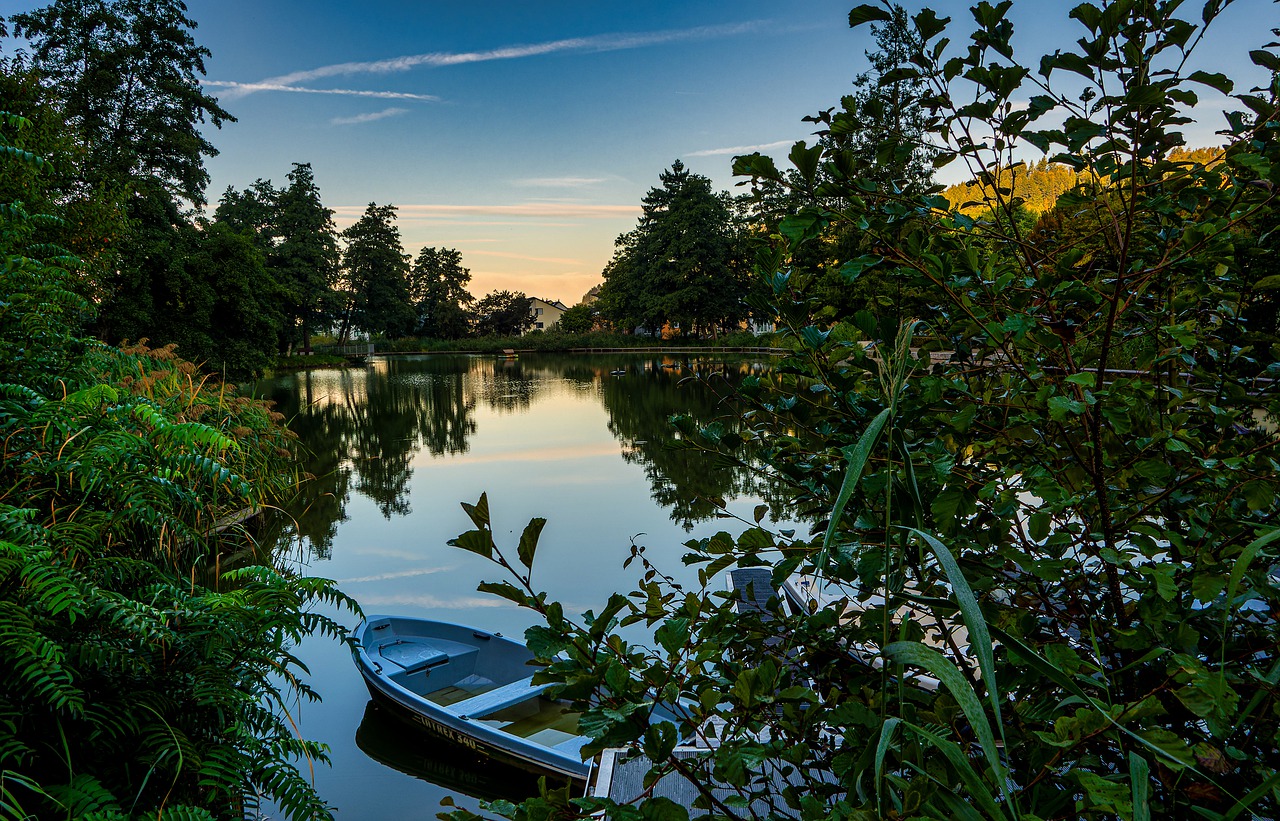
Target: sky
525, 134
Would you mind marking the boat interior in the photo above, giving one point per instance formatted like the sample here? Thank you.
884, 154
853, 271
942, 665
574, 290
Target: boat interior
474, 675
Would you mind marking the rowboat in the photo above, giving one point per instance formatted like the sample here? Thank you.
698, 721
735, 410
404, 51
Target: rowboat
473, 688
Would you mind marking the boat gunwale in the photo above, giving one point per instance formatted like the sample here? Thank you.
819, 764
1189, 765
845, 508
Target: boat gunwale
465, 730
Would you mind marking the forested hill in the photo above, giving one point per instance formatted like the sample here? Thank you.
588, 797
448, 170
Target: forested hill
1039, 185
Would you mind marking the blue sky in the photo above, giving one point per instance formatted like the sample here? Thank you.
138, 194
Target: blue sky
524, 134
534, 129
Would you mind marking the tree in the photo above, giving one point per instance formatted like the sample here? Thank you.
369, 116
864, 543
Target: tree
125, 76
376, 270
306, 258
882, 130
296, 234
438, 290
206, 290
244, 319
165, 681
251, 212
1045, 564
502, 313
579, 319
683, 263
128, 75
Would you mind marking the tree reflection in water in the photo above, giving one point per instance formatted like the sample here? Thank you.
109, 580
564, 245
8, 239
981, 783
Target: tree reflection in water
363, 427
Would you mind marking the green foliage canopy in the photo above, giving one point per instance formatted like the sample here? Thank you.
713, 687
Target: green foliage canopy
438, 291
502, 313
683, 262
1044, 541
376, 270
140, 679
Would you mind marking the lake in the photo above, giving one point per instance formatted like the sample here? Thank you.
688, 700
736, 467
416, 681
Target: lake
581, 440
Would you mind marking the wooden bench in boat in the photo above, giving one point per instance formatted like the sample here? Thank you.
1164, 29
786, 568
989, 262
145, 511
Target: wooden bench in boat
412, 655
501, 698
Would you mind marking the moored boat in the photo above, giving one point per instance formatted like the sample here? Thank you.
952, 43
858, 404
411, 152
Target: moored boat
473, 688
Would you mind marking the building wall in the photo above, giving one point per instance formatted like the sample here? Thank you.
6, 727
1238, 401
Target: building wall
546, 315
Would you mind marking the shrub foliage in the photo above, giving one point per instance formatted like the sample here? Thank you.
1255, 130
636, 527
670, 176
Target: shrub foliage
1044, 543
141, 677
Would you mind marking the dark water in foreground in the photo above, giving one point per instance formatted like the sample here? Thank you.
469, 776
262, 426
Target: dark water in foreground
400, 443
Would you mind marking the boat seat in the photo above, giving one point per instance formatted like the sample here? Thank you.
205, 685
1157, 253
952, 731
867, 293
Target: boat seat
499, 699
412, 655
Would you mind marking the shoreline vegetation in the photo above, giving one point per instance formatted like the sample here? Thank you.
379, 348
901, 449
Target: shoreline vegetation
550, 342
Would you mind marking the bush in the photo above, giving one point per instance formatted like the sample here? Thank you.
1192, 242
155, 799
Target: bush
141, 677
1044, 588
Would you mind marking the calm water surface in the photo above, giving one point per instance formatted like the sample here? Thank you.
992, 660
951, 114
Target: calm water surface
399, 444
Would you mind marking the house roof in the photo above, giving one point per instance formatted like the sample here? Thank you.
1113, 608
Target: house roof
554, 303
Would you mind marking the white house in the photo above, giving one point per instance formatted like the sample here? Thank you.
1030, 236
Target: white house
546, 313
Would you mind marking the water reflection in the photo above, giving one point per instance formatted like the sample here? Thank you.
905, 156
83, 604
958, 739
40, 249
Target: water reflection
392, 744
397, 445
367, 428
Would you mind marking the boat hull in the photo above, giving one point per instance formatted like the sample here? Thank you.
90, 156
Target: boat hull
440, 727
471, 732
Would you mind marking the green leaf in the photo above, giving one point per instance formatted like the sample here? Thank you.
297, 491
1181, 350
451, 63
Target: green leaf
1088, 14
529, 541
897, 75
1062, 407
477, 541
979, 636
867, 13
672, 635
1104, 794
941, 668
1038, 526
854, 268
1140, 783
506, 590
1265, 59
882, 748
479, 512
805, 159
1216, 80
856, 457
659, 740
929, 24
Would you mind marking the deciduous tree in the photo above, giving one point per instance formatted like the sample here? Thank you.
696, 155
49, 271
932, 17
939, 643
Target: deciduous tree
127, 73
502, 313
306, 258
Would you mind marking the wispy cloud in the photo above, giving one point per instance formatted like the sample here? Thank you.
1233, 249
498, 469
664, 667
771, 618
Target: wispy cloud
740, 149
538, 210
241, 89
428, 600
398, 574
560, 182
372, 116
437, 59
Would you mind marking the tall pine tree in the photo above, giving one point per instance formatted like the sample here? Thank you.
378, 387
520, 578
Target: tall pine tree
376, 270
438, 289
306, 258
684, 262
